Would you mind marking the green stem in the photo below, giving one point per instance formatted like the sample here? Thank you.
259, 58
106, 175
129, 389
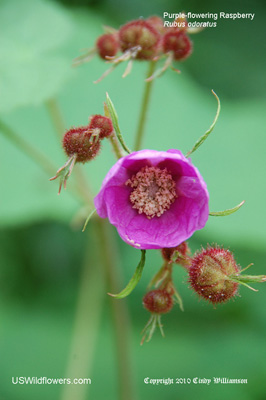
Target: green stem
56, 116
36, 155
144, 107
116, 147
119, 311
86, 325
40, 159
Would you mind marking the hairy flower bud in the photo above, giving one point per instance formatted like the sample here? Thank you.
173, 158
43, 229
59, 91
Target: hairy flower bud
178, 43
81, 142
157, 23
158, 301
210, 272
142, 34
107, 45
104, 124
181, 23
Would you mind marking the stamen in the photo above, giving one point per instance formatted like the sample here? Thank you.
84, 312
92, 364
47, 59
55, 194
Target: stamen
154, 190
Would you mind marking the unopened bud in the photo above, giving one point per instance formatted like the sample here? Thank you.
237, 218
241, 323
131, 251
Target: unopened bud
80, 142
142, 34
104, 124
210, 272
177, 42
157, 23
107, 45
158, 301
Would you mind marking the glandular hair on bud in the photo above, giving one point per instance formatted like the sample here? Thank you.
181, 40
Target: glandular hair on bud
158, 301
177, 42
104, 124
157, 23
209, 274
80, 142
107, 45
140, 33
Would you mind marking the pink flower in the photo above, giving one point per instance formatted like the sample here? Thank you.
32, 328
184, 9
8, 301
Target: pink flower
155, 199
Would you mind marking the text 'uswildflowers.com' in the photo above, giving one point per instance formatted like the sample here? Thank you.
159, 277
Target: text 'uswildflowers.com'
34, 380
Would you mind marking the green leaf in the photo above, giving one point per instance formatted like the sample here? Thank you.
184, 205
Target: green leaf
134, 280
114, 118
32, 68
226, 212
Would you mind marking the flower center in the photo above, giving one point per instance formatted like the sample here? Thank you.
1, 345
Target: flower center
154, 190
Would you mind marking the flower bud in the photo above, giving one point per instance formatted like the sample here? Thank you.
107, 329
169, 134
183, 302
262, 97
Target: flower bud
139, 33
104, 124
107, 45
210, 272
178, 254
80, 142
181, 23
158, 301
157, 23
178, 43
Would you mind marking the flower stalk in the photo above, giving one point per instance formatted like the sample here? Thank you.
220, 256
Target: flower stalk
144, 107
119, 312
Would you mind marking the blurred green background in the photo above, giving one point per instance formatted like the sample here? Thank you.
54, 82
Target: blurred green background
47, 264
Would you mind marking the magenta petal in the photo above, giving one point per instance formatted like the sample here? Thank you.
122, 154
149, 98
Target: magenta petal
188, 213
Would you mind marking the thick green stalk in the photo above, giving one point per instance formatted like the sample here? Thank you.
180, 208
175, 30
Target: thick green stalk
119, 311
56, 116
144, 107
89, 309
116, 147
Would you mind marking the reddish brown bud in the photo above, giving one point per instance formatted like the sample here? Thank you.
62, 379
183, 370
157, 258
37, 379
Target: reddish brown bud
181, 24
107, 45
157, 23
178, 43
81, 142
139, 33
209, 274
158, 301
104, 124
178, 254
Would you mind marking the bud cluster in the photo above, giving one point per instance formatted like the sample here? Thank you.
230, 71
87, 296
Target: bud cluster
150, 36
85, 141
161, 300
82, 144
213, 275
142, 39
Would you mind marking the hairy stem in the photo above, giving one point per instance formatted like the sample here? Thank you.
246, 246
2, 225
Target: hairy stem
86, 324
116, 146
36, 155
119, 311
40, 159
56, 116
144, 107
